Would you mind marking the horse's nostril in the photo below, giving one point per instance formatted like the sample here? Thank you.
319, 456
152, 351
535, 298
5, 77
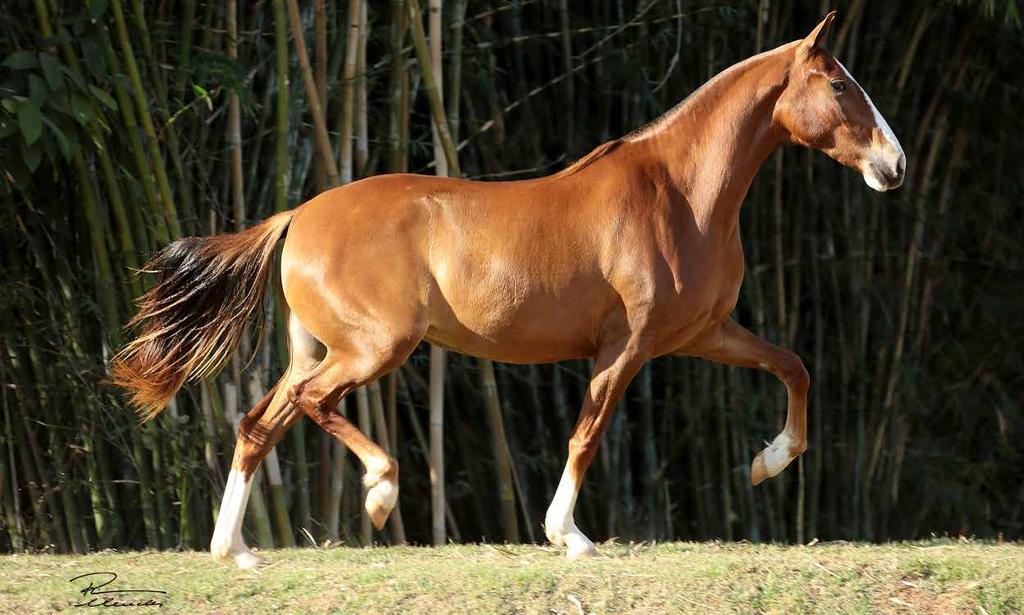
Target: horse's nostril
888, 175
883, 171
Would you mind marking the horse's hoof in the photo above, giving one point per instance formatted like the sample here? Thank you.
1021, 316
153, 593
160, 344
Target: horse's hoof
380, 500
234, 552
579, 547
758, 473
382, 492
554, 538
774, 459
247, 560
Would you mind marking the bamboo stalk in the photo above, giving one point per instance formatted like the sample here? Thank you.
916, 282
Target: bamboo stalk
424, 446
9, 498
380, 425
169, 130
323, 143
163, 184
503, 458
398, 85
337, 484
363, 411
455, 82
281, 127
362, 143
650, 454
57, 449
144, 173
185, 41
348, 92
431, 83
437, 497
40, 489
234, 136
570, 94
44, 488
320, 76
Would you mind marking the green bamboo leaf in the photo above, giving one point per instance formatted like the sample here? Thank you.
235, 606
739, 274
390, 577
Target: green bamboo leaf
93, 54
15, 171
21, 60
97, 9
75, 77
67, 147
31, 155
11, 83
30, 120
122, 80
7, 127
82, 109
60, 38
51, 70
103, 97
59, 103
37, 90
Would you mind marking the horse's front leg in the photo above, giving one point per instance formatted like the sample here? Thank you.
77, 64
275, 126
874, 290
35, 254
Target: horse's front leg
615, 366
734, 345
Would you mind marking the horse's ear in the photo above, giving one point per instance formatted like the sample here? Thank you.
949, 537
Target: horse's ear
819, 35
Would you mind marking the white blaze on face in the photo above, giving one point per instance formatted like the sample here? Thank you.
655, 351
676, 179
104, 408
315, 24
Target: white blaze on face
889, 154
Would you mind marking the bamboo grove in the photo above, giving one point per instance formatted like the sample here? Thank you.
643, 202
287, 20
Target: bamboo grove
124, 125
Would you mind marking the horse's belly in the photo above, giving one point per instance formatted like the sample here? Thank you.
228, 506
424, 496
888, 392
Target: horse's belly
525, 350
510, 317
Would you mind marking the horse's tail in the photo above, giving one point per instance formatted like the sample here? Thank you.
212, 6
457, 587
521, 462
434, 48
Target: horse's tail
208, 290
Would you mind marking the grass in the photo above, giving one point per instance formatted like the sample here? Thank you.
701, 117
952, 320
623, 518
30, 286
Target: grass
921, 577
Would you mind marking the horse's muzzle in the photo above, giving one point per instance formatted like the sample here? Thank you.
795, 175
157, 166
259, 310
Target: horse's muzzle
883, 175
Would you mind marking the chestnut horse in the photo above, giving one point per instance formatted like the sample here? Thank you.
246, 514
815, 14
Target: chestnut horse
631, 253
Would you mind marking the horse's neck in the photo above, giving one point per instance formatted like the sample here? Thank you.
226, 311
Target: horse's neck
714, 142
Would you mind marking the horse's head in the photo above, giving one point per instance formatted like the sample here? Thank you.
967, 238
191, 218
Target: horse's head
824, 107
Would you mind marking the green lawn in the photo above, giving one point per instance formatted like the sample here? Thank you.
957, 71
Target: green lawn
925, 577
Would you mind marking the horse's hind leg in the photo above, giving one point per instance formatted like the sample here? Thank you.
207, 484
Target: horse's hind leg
258, 432
341, 372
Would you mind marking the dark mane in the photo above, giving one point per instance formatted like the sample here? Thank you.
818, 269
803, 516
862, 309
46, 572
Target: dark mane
584, 162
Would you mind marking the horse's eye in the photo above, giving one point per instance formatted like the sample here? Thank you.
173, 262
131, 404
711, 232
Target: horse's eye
838, 86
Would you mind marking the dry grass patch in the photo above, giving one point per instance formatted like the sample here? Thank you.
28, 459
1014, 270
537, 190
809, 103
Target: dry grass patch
926, 577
